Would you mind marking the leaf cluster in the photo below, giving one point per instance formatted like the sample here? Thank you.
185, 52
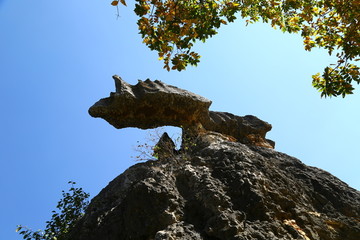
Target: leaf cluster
171, 27
71, 208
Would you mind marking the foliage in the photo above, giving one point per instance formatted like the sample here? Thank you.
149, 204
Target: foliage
171, 27
71, 206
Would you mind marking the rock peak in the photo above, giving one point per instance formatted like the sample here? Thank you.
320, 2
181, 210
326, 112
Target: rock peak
222, 190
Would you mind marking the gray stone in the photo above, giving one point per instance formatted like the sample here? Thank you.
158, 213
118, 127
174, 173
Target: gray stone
223, 190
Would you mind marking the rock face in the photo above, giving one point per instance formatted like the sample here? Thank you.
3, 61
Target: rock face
226, 182
151, 104
221, 190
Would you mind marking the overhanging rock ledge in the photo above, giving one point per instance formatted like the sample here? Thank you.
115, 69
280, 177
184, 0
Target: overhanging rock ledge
151, 104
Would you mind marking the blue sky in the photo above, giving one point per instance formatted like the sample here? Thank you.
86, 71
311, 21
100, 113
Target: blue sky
57, 59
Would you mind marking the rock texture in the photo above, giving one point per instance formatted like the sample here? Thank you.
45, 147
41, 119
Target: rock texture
219, 189
151, 104
226, 182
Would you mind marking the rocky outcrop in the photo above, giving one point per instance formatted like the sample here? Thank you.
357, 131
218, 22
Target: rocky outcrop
222, 190
224, 183
151, 104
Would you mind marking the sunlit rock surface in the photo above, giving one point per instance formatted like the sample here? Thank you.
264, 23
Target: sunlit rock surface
151, 104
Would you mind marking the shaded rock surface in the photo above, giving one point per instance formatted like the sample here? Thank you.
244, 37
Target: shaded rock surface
223, 190
151, 104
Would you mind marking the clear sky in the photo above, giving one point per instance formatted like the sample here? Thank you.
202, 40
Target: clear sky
57, 59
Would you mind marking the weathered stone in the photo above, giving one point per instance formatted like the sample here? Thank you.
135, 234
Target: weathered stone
165, 148
224, 190
248, 129
151, 104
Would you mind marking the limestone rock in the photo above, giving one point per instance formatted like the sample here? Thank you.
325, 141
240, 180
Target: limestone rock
151, 104
248, 129
223, 190
165, 148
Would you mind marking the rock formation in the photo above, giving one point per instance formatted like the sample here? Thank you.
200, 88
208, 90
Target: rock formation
215, 188
223, 190
151, 104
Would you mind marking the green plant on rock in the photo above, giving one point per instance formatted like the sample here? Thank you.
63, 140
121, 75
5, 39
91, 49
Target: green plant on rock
71, 208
